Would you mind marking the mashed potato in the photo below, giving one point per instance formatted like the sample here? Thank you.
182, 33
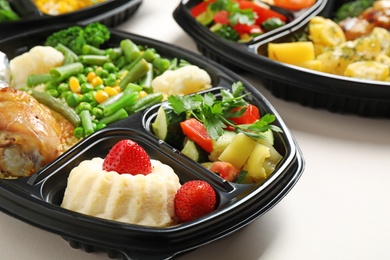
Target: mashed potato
136, 199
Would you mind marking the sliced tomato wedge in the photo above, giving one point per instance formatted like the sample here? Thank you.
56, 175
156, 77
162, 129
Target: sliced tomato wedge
226, 170
263, 13
247, 29
197, 132
222, 17
250, 115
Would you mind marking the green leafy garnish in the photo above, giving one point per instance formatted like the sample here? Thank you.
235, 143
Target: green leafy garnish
215, 113
236, 15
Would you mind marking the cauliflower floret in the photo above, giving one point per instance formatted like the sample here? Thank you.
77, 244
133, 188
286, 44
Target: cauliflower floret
39, 60
185, 80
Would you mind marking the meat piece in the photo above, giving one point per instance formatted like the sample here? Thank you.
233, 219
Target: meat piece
31, 135
376, 16
355, 27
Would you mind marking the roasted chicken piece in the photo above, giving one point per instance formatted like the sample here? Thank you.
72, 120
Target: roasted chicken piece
376, 16
31, 135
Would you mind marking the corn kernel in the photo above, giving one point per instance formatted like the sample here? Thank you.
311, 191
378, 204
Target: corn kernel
118, 89
110, 91
142, 94
90, 76
74, 85
96, 81
101, 96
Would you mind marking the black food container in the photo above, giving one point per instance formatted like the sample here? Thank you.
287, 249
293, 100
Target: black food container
310, 88
36, 199
110, 13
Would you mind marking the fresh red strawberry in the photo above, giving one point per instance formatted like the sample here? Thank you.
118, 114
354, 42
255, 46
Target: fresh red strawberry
194, 199
127, 156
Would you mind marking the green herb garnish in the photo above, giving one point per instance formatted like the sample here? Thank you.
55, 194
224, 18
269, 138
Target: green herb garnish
215, 113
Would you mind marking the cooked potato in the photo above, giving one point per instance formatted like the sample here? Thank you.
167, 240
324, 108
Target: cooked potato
367, 70
325, 33
291, 52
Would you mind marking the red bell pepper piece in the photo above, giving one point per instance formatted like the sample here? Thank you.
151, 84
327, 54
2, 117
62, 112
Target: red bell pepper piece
247, 29
200, 8
197, 132
250, 115
226, 170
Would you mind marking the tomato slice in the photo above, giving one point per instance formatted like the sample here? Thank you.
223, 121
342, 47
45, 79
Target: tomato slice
250, 116
247, 29
263, 13
222, 17
197, 132
294, 4
226, 170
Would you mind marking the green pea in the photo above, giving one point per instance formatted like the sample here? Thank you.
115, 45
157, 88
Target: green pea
97, 112
88, 97
78, 132
110, 80
63, 87
50, 85
83, 106
53, 92
102, 73
88, 70
82, 78
66, 93
72, 99
86, 87
110, 67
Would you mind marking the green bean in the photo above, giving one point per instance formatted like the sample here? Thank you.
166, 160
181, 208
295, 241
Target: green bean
65, 71
118, 115
58, 106
146, 81
111, 100
98, 60
130, 50
120, 62
92, 50
36, 79
124, 101
161, 64
86, 122
69, 55
145, 102
131, 87
137, 72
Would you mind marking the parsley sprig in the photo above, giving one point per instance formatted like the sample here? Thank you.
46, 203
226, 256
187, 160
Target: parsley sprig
215, 113
236, 15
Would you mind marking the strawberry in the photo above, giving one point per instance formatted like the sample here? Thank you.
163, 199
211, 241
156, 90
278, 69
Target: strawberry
194, 199
127, 156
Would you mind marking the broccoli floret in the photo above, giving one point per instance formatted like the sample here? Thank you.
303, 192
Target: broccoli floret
6, 13
75, 37
96, 34
272, 24
352, 9
71, 37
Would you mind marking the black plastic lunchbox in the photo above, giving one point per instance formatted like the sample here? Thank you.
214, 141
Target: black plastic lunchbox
310, 88
37, 198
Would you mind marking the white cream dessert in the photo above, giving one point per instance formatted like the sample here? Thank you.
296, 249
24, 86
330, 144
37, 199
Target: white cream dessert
137, 199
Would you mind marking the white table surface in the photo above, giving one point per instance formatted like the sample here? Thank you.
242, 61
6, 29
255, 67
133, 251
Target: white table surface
339, 209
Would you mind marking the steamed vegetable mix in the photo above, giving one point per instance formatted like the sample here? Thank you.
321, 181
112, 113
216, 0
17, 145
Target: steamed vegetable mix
6, 12
237, 20
226, 134
95, 87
